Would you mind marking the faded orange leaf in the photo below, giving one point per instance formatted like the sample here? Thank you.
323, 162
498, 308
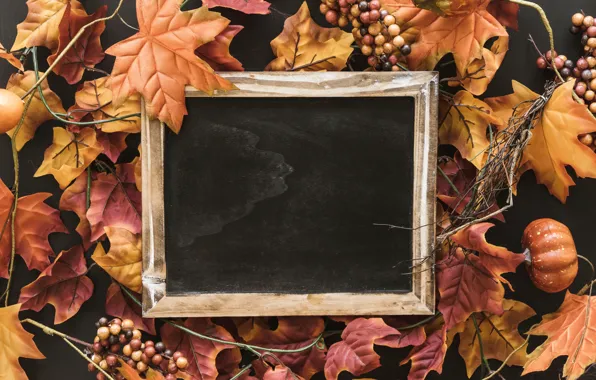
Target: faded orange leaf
10, 58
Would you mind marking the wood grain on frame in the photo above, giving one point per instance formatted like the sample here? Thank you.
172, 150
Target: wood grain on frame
422, 86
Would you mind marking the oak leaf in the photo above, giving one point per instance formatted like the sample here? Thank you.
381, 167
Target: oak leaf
95, 99
74, 198
10, 58
37, 112
506, 12
306, 46
291, 333
355, 352
247, 6
15, 343
554, 143
34, 222
464, 35
202, 354
430, 355
217, 52
570, 331
42, 24
63, 284
119, 304
159, 60
115, 202
87, 50
464, 123
499, 335
124, 260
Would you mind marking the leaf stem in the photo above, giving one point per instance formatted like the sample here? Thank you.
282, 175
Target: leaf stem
480, 345
242, 371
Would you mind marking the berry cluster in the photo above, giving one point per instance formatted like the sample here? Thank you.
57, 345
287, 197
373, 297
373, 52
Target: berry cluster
118, 339
374, 28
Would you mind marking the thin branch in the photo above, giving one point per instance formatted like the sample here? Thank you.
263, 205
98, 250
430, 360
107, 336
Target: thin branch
498, 370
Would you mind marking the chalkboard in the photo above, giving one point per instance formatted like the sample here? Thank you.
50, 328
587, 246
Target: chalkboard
279, 195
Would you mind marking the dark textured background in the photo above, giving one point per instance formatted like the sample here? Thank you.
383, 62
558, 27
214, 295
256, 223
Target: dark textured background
251, 46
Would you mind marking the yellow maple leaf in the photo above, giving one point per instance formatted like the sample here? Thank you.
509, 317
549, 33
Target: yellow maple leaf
554, 143
37, 113
41, 26
330, 47
124, 260
69, 155
15, 343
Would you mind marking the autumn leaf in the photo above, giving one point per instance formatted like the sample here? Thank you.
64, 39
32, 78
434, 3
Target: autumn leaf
464, 35
127, 371
291, 333
499, 335
554, 143
34, 222
138, 170
280, 372
37, 112
42, 24
115, 202
570, 331
217, 52
15, 343
159, 60
120, 305
112, 143
450, 8
505, 12
96, 99
247, 6
87, 50
302, 43
63, 284
355, 352
74, 198
202, 354
464, 123
124, 260
10, 58
430, 355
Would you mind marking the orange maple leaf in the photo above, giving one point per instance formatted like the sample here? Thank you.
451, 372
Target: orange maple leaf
10, 58
217, 52
87, 51
34, 222
570, 331
247, 6
554, 143
159, 60
63, 284
432, 37
15, 343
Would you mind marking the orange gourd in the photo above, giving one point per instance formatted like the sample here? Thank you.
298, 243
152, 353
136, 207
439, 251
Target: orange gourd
551, 257
11, 109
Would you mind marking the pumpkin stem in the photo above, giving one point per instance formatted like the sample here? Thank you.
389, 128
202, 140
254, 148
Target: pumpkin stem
526, 254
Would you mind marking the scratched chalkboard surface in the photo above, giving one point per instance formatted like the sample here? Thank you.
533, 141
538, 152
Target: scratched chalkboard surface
278, 195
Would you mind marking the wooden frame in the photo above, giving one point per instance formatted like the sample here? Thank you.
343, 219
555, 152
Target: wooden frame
422, 86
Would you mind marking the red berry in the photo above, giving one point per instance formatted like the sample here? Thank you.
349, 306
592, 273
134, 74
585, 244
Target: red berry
91, 367
582, 63
332, 17
177, 355
157, 359
169, 376
136, 344
549, 56
112, 360
149, 351
559, 63
172, 367
541, 63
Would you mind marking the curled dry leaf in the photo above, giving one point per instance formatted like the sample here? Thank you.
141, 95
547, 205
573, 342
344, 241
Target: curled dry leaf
115, 202
464, 123
430, 355
74, 198
95, 99
570, 331
355, 352
124, 261
291, 333
10, 58
69, 155
202, 354
247, 6
119, 304
499, 335
63, 284
159, 60
34, 222
302, 43
464, 34
15, 343
37, 113
217, 52
42, 24
505, 12
87, 50
554, 143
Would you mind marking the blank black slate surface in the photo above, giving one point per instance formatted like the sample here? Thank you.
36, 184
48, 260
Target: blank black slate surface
274, 195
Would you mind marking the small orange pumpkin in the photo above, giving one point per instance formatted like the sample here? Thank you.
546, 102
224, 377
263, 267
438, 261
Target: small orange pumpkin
551, 257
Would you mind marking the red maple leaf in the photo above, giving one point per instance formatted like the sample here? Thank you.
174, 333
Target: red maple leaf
430, 355
115, 202
120, 305
74, 198
63, 284
247, 6
217, 52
